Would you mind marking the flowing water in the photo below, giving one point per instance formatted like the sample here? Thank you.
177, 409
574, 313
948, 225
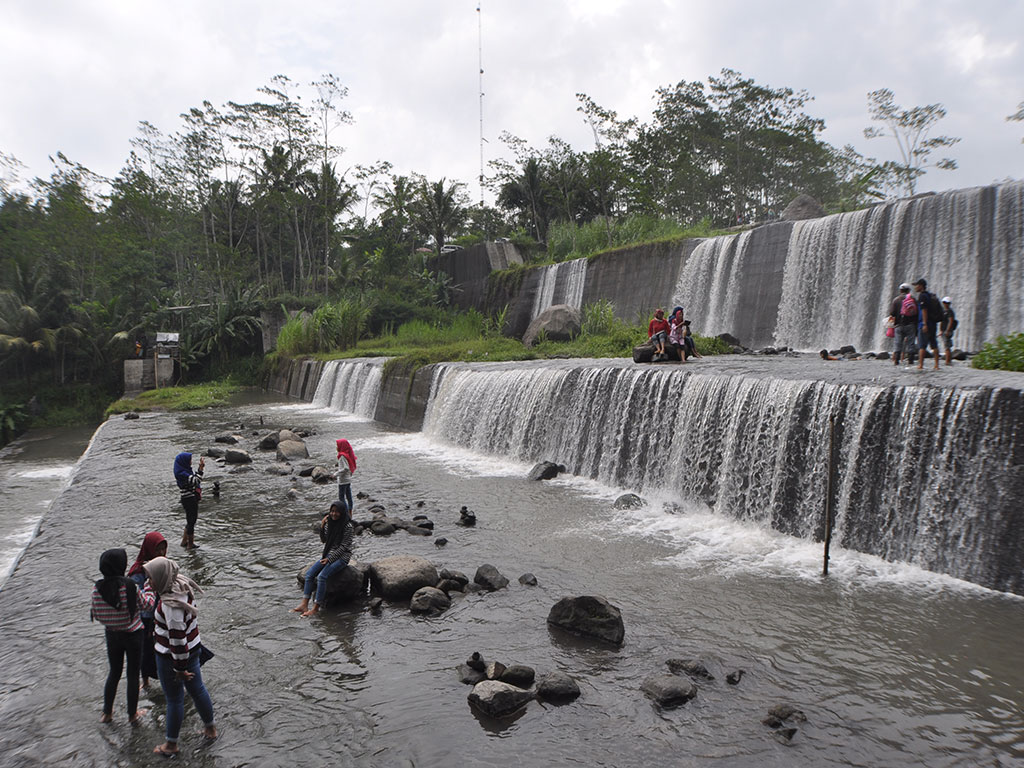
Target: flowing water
561, 283
894, 666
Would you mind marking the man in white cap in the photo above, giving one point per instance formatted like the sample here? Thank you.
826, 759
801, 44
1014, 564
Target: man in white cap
904, 325
949, 324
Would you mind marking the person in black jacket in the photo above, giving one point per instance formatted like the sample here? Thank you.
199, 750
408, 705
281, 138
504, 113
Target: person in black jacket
336, 533
949, 324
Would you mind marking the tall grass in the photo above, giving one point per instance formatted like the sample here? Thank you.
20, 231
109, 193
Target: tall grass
330, 326
567, 240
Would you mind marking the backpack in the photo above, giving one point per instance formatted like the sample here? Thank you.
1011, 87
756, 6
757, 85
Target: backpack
953, 322
909, 307
934, 307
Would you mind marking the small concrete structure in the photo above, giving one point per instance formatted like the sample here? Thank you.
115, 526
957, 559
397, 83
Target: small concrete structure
139, 374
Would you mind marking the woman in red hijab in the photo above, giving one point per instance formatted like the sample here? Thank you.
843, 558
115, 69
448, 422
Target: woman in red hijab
346, 468
154, 545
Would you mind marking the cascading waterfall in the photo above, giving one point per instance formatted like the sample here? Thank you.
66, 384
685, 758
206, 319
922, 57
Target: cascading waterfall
922, 472
352, 386
561, 283
842, 271
708, 286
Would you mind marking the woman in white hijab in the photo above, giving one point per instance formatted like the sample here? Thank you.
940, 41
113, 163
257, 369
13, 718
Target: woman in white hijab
177, 644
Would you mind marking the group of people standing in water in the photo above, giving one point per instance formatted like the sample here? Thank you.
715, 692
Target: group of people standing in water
151, 617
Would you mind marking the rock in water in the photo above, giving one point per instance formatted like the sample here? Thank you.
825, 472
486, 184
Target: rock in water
131, 415
528, 580
269, 442
519, 675
689, 667
669, 690
228, 438
546, 470
590, 616
343, 586
487, 576
321, 475
558, 688
429, 600
497, 699
733, 678
628, 501
467, 518
398, 578
291, 450
237, 456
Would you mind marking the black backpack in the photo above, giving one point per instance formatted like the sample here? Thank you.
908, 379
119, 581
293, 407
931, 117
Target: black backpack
935, 311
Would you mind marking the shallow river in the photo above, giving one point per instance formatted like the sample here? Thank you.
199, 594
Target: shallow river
893, 666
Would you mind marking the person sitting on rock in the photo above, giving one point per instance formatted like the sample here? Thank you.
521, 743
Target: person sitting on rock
657, 332
677, 333
336, 533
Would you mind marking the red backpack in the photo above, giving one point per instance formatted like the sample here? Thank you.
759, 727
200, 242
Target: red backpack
909, 307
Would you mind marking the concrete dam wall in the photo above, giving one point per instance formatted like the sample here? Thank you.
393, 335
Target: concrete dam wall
808, 284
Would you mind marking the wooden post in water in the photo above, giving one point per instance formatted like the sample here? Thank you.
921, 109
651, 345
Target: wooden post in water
828, 488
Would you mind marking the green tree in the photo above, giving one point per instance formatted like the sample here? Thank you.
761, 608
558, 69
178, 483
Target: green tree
910, 128
439, 210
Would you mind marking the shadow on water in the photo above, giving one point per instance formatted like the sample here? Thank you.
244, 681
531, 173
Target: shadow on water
889, 671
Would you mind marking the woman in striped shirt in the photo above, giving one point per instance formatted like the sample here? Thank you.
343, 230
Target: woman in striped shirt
177, 644
116, 604
336, 533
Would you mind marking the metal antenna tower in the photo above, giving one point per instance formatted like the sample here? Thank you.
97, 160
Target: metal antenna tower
480, 61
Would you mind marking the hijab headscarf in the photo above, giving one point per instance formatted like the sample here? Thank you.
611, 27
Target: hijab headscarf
183, 469
345, 449
172, 586
112, 565
335, 530
147, 551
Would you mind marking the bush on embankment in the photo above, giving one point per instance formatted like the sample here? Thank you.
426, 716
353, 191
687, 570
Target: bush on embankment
1005, 353
568, 240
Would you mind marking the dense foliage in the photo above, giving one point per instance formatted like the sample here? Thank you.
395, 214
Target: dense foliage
1005, 353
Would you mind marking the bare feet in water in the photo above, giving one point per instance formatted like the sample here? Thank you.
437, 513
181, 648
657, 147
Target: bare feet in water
312, 611
105, 718
136, 719
302, 607
167, 749
209, 732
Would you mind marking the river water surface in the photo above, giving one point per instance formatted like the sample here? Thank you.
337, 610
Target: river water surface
892, 665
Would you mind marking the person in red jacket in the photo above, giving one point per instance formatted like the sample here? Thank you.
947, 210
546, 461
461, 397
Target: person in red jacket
657, 332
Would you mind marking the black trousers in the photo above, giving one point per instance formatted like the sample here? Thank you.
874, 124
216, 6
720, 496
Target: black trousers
121, 646
191, 514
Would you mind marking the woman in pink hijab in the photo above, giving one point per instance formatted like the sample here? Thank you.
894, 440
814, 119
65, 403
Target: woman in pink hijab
346, 468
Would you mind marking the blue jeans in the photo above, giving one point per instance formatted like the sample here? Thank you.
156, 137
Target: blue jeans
318, 574
174, 690
345, 495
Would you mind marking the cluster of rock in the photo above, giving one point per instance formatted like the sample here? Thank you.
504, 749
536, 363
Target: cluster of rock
500, 691
411, 578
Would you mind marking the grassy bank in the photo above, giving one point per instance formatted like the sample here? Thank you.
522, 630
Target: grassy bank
193, 397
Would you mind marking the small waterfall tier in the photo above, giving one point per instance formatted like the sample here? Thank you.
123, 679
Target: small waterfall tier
352, 386
561, 283
926, 475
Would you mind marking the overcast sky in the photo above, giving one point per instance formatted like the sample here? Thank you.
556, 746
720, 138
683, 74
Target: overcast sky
78, 76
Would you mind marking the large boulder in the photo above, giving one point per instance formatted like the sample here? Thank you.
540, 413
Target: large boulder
669, 690
561, 322
343, 586
398, 577
803, 207
321, 475
590, 616
291, 450
228, 438
287, 434
496, 699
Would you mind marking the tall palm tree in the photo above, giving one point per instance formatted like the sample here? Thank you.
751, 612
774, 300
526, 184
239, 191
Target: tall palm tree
439, 210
